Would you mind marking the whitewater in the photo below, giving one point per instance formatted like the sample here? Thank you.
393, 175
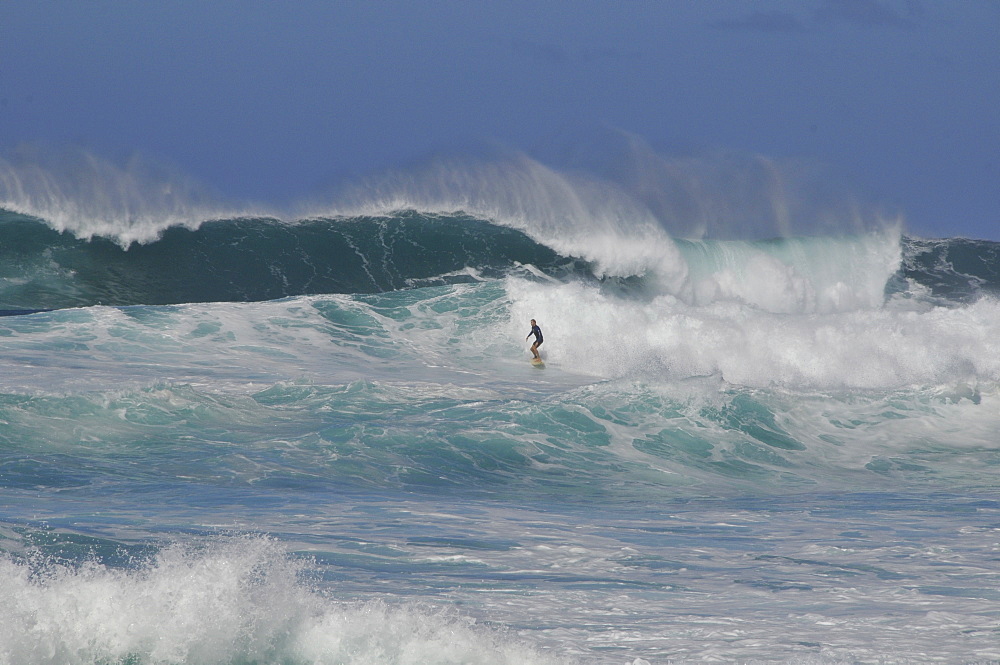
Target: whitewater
235, 436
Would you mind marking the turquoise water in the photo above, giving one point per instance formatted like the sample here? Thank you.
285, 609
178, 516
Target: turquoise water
337, 451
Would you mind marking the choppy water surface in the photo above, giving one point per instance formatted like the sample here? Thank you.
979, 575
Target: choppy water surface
253, 441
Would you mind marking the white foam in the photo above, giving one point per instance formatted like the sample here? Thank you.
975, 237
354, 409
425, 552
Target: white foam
883, 348
794, 275
233, 600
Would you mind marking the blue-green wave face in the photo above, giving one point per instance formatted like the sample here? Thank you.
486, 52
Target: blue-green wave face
955, 270
255, 259
589, 445
240, 260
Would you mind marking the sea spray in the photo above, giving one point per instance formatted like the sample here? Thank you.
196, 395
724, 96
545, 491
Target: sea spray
78, 192
717, 194
573, 215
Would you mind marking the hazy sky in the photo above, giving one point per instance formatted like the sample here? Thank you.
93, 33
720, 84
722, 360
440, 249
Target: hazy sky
268, 101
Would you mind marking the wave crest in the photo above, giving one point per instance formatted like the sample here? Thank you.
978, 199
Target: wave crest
77, 192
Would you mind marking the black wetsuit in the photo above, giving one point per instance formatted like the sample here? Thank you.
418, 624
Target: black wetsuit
537, 332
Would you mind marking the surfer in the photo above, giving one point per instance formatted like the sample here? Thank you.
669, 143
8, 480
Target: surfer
537, 332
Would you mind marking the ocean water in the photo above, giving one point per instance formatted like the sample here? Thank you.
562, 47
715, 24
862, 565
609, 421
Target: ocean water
248, 439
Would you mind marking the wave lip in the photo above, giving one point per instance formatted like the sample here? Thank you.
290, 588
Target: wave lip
255, 259
76, 192
185, 247
572, 214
